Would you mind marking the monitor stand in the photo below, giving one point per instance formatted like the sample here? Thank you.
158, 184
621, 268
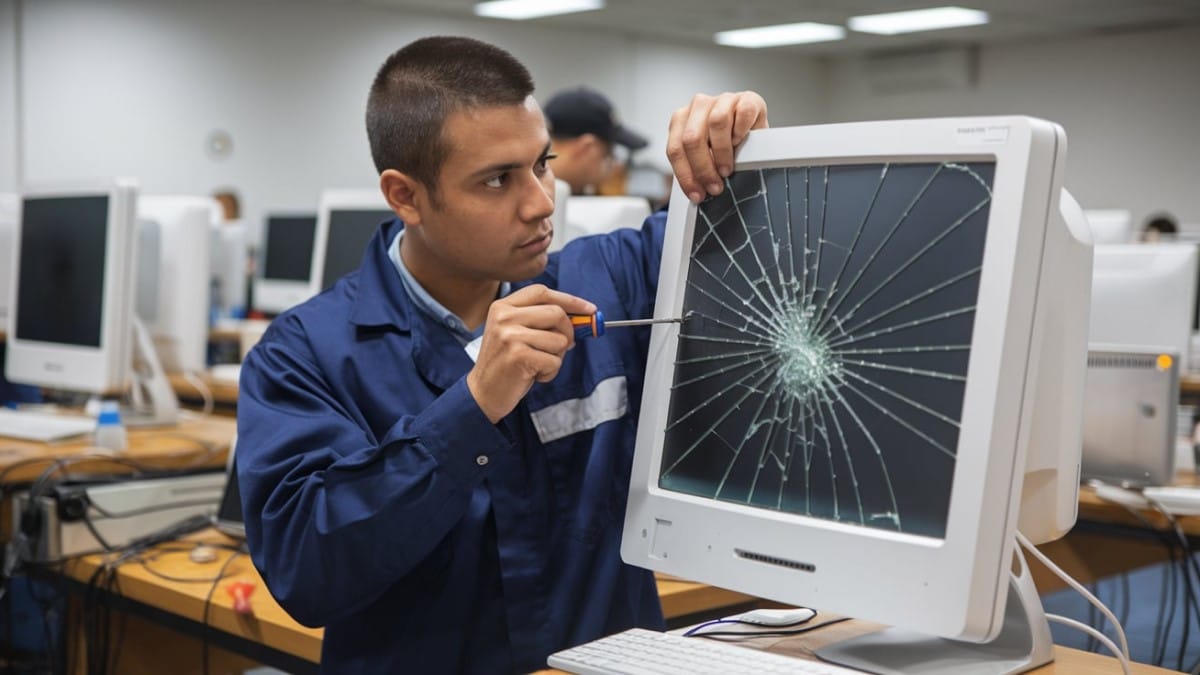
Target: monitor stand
1024, 642
152, 401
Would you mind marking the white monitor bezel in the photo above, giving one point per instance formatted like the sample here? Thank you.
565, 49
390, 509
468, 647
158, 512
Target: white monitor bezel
103, 369
334, 200
700, 540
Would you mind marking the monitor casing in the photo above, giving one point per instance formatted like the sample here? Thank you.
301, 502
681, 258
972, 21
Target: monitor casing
172, 297
274, 294
98, 369
339, 200
1035, 270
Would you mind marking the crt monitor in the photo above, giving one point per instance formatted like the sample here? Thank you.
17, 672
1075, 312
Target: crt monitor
172, 278
883, 333
71, 294
346, 221
1110, 226
287, 261
1144, 295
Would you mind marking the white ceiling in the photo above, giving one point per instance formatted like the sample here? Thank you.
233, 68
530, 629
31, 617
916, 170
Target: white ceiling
695, 21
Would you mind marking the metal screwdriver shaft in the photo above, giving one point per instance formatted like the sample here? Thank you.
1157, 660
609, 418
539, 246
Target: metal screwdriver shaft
594, 325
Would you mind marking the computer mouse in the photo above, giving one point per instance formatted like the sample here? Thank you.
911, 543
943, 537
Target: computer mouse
776, 617
203, 554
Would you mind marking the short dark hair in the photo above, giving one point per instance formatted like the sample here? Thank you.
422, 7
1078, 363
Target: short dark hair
421, 84
1163, 223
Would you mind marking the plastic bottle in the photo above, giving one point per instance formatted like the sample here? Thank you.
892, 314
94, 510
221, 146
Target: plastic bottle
110, 432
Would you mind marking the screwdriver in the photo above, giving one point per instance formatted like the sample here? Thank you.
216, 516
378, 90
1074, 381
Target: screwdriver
594, 325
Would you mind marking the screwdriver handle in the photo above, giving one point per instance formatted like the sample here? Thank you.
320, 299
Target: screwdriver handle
588, 325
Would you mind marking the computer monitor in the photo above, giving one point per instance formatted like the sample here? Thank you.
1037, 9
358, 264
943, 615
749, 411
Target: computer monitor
1110, 226
592, 214
10, 209
346, 221
227, 268
1144, 295
558, 219
883, 333
172, 279
287, 262
228, 518
71, 299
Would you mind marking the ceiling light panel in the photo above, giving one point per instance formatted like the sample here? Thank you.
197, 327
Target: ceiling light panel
934, 18
779, 35
520, 10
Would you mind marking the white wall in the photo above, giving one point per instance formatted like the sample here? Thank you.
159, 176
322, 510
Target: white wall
8, 96
1129, 102
133, 87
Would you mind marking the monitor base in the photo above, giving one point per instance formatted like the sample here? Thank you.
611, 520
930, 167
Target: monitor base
1024, 643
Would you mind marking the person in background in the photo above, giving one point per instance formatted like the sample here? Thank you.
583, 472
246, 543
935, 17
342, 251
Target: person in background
432, 467
1160, 227
584, 131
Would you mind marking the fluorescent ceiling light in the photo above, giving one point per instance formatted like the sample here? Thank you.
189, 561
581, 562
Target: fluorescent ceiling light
783, 34
934, 18
518, 10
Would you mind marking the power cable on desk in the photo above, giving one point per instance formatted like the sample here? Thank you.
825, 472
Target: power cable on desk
207, 604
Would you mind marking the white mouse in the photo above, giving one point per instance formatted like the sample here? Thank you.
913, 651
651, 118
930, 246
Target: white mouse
775, 617
203, 554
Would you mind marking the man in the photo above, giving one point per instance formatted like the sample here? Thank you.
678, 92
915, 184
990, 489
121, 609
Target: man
584, 129
431, 466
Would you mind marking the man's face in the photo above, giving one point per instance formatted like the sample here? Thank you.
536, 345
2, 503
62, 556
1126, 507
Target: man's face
490, 221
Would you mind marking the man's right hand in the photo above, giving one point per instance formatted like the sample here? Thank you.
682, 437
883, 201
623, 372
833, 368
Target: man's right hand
524, 339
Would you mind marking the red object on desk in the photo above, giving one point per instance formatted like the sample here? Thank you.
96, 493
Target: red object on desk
241, 591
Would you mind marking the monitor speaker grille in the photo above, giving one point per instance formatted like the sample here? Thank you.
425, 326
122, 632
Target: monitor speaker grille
773, 560
1139, 361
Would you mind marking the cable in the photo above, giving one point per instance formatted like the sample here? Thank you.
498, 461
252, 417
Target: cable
1101, 637
761, 633
201, 386
208, 604
1025, 543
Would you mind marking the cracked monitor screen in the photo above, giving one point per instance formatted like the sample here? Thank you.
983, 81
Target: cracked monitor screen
822, 362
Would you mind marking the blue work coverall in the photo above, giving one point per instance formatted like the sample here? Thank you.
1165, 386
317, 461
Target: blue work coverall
382, 504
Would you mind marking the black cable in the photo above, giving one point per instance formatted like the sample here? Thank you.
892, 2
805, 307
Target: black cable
766, 633
207, 604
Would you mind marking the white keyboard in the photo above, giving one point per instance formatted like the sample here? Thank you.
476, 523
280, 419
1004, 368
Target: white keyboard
42, 426
645, 652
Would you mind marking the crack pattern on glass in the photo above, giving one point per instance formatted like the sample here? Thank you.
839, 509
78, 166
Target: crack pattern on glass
822, 362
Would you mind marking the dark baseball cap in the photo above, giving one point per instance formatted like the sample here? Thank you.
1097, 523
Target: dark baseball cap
580, 111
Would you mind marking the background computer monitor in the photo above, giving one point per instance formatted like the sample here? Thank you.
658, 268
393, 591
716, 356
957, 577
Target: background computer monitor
10, 208
287, 254
883, 331
172, 278
590, 214
1144, 295
228, 257
562, 197
1110, 226
71, 299
346, 221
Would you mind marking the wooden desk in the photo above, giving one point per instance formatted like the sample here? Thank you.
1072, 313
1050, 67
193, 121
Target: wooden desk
224, 392
194, 442
268, 636
1108, 540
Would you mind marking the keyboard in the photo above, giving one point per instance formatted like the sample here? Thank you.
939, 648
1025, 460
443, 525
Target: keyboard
28, 425
645, 652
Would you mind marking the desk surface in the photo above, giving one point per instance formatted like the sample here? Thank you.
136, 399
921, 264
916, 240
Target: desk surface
194, 442
270, 625
1094, 509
